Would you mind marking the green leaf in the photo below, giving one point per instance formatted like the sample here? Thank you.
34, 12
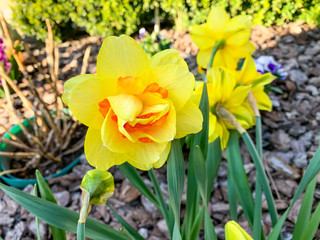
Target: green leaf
213, 163
313, 225
81, 231
200, 139
163, 206
176, 233
134, 177
175, 177
46, 193
239, 176
200, 172
312, 170
232, 198
35, 193
262, 178
61, 217
209, 232
197, 224
126, 225
305, 211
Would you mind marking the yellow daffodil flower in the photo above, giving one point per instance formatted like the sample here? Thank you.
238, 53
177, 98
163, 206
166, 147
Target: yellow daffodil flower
133, 106
232, 33
234, 231
224, 94
249, 76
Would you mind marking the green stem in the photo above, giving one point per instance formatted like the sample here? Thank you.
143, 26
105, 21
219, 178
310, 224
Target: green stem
163, 206
262, 177
81, 234
258, 193
215, 49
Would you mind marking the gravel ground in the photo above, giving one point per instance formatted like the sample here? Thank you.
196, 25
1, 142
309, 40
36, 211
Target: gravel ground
290, 134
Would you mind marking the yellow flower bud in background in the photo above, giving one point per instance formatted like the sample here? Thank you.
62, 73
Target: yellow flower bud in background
233, 231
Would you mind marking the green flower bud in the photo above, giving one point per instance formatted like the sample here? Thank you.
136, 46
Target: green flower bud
99, 184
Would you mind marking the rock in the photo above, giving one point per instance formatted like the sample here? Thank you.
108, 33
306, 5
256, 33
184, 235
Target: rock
298, 76
5, 219
314, 90
33, 228
128, 192
280, 140
286, 186
162, 225
63, 198
17, 232
293, 214
102, 212
148, 205
280, 204
313, 50
143, 232
281, 166
220, 207
300, 160
315, 81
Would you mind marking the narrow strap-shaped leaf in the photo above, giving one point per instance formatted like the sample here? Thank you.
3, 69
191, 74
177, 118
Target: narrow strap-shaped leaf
46, 193
200, 172
175, 177
134, 177
305, 211
262, 178
35, 193
163, 205
176, 232
126, 225
200, 139
257, 228
313, 225
213, 163
239, 176
209, 232
312, 170
232, 198
197, 224
61, 217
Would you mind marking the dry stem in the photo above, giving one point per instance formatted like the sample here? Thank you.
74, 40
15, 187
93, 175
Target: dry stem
85, 60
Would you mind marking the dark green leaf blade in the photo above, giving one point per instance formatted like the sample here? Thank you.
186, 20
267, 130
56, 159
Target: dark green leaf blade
46, 193
61, 217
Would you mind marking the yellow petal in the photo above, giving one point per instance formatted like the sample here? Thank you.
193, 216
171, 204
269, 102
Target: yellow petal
163, 156
121, 57
263, 80
85, 98
203, 57
224, 137
215, 129
234, 231
217, 19
126, 107
158, 164
242, 51
169, 56
244, 116
146, 153
176, 79
203, 36
73, 83
238, 96
238, 24
98, 155
239, 38
263, 100
189, 120
112, 138
248, 72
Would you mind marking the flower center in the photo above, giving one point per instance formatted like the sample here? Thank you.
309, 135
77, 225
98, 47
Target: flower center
154, 112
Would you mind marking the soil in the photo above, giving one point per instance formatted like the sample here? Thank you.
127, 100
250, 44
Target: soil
290, 136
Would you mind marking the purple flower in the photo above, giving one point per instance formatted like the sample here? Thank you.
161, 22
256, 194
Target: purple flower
4, 59
142, 32
268, 64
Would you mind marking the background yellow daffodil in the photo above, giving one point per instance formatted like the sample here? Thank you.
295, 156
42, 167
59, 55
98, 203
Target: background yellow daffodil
133, 106
249, 75
224, 93
233, 32
234, 231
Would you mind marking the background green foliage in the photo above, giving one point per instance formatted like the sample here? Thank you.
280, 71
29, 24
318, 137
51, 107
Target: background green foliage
107, 17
